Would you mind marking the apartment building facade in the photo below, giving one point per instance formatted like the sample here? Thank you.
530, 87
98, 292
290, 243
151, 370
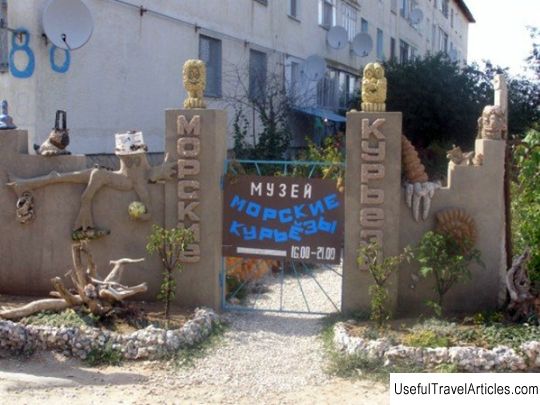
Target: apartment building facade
130, 70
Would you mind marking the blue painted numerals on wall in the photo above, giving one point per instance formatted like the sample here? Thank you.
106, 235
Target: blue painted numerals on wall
28, 70
67, 59
20, 45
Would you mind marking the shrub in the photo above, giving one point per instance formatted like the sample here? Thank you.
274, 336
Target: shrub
425, 338
170, 245
526, 202
446, 260
380, 270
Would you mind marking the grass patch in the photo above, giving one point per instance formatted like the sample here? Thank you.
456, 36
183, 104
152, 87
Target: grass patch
69, 318
357, 365
186, 357
425, 338
106, 356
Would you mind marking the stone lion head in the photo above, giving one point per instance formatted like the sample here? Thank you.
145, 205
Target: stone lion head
374, 84
194, 75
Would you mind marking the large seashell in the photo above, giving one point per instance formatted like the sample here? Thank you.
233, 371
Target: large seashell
459, 225
414, 170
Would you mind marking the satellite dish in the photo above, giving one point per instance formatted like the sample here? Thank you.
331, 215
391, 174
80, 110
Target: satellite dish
314, 67
337, 37
362, 44
67, 23
416, 16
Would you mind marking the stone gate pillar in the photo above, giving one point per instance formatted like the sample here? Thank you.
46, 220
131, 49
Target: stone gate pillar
372, 199
196, 139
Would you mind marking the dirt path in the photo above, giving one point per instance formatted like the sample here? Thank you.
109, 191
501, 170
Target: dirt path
263, 358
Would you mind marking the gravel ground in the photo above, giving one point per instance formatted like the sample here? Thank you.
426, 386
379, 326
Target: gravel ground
271, 358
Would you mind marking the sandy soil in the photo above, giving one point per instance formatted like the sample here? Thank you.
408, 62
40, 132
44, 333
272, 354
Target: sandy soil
48, 378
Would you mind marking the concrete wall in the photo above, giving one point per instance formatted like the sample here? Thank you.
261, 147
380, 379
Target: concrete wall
34, 253
130, 71
479, 191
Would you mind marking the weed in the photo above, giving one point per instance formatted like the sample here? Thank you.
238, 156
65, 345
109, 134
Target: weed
67, 318
106, 355
425, 338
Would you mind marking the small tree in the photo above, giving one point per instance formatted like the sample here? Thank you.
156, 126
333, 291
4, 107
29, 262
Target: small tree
380, 269
447, 260
169, 244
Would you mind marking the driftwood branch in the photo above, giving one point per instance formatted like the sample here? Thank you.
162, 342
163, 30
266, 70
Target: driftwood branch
522, 300
97, 295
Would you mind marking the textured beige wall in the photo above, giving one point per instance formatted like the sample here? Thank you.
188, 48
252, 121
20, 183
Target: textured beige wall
33, 253
479, 191
355, 281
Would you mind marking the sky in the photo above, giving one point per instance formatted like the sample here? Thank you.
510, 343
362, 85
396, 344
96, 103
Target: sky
500, 33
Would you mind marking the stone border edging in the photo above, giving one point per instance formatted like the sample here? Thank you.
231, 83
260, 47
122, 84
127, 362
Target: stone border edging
146, 344
466, 358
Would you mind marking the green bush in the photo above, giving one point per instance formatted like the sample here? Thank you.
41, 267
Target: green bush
526, 202
380, 270
447, 261
170, 244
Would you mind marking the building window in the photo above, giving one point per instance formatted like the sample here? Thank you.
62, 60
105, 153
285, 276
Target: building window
392, 49
380, 44
263, 2
4, 49
327, 13
336, 90
434, 38
364, 26
393, 6
210, 54
350, 19
257, 75
443, 41
403, 51
444, 8
293, 8
404, 9
452, 18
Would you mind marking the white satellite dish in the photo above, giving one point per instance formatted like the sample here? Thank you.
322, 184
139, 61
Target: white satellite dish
416, 16
337, 37
314, 67
68, 24
362, 44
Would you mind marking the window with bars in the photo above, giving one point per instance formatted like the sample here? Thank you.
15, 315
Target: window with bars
327, 13
257, 75
443, 41
210, 54
392, 48
350, 20
4, 47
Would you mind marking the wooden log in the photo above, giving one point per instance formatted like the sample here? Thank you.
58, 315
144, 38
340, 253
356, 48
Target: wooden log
48, 304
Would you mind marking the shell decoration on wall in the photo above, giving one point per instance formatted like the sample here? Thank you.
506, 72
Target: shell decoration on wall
413, 169
459, 225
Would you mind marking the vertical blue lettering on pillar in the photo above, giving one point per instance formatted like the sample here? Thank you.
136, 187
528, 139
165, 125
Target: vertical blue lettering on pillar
28, 70
67, 60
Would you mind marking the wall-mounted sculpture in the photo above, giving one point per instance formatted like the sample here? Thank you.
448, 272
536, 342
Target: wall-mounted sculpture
6, 122
134, 174
492, 124
58, 139
418, 189
374, 88
457, 224
194, 75
460, 158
